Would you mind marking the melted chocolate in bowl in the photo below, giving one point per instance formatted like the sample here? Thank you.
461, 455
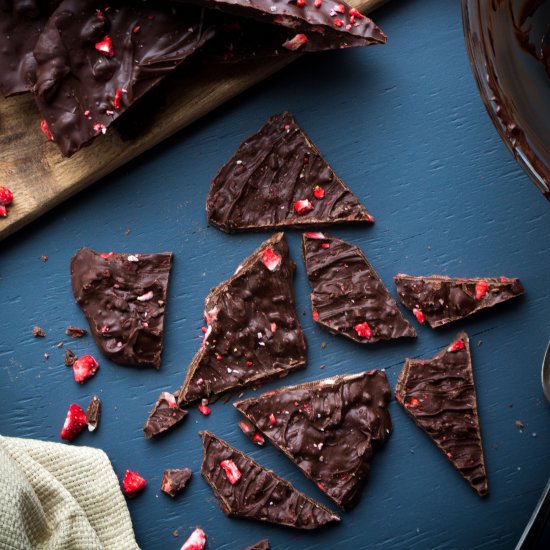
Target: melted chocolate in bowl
508, 42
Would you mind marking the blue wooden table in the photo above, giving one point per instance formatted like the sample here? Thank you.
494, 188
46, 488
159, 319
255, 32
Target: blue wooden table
404, 126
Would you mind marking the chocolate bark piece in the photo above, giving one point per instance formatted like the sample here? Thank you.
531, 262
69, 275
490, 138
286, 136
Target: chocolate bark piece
93, 413
439, 394
347, 295
277, 179
260, 545
123, 297
253, 331
21, 22
336, 23
259, 493
328, 428
174, 481
94, 63
440, 300
165, 414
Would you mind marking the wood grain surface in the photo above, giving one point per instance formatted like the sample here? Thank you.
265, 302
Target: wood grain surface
40, 177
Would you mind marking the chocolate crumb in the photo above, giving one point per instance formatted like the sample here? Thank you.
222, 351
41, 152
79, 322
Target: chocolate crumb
75, 332
128, 231
93, 413
323, 367
44, 258
519, 425
176, 533
70, 358
323, 345
59, 344
38, 332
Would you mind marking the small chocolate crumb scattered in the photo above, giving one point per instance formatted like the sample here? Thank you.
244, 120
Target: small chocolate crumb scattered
176, 533
479, 343
323, 345
323, 367
59, 344
519, 425
128, 231
38, 332
93, 413
75, 332
70, 358
44, 258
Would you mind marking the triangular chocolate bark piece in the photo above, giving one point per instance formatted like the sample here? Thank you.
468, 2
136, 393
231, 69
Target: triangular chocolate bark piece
123, 297
439, 300
246, 489
328, 428
165, 414
253, 331
347, 295
440, 396
278, 179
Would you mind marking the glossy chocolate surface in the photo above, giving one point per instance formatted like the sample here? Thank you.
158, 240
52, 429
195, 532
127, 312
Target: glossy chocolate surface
165, 414
270, 172
346, 292
82, 87
253, 331
259, 494
440, 396
174, 481
327, 428
442, 300
123, 297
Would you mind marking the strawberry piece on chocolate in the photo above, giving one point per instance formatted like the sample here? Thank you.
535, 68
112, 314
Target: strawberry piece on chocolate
132, 484
84, 367
74, 422
231, 471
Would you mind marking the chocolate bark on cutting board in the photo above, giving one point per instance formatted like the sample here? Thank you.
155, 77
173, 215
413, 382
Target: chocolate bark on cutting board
94, 63
439, 394
253, 331
165, 414
347, 295
123, 297
278, 179
439, 300
21, 22
257, 493
328, 428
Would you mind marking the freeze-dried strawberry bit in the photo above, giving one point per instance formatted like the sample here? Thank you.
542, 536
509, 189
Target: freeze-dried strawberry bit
231, 471
481, 289
75, 332
132, 484
325, 246
315, 315
318, 192
339, 8
169, 398
6, 196
271, 259
258, 438
74, 422
99, 128
412, 403
314, 235
105, 46
196, 541
107, 255
296, 42
456, 346
251, 432
303, 207
363, 330
419, 315
355, 13
3, 211
46, 130
204, 409
84, 367
273, 327
338, 22
318, 3
117, 99
272, 419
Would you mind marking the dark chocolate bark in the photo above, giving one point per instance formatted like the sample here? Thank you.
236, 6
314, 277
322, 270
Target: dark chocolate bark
93, 63
440, 300
336, 23
21, 22
327, 428
260, 545
174, 481
164, 415
123, 297
347, 295
253, 330
440, 396
259, 494
93, 413
277, 179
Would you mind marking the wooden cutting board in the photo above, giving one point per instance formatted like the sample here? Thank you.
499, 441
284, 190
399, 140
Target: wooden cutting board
41, 178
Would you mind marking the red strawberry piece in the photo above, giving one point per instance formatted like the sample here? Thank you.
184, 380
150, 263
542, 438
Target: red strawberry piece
296, 42
456, 346
74, 422
363, 330
481, 289
107, 255
340, 8
419, 315
204, 409
315, 315
132, 484
196, 541
303, 207
231, 471
354, 13
258, 438
325, 246
318, 192
412, 403
84, 367
301, 3
314, 235
271, 259
272, 419
117, 99
99, 128
105, 46
46, 130
318, 3
338, 22
6, 196
3, 211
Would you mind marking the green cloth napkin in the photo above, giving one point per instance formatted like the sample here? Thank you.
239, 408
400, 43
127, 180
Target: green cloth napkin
62, 497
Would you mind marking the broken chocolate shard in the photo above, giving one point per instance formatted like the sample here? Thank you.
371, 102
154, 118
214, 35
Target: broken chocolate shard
123, 297
174, 481
328, 428
439, 394
93, 63
257, 493
93, 413
253, 332
70, 358
278, 179
440, 300
260, 545
347, 295
251, 432
75, 332
165, 414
